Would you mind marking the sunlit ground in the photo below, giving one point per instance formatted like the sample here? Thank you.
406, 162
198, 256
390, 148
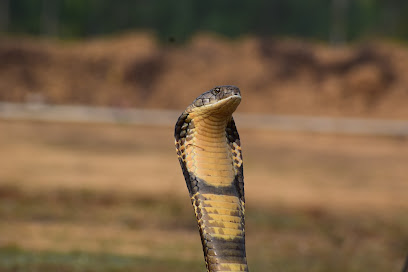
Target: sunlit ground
112, 198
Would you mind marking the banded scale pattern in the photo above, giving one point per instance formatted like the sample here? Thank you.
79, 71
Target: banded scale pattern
209, 151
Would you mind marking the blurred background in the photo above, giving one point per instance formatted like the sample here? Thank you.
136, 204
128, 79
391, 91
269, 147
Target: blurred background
89, 95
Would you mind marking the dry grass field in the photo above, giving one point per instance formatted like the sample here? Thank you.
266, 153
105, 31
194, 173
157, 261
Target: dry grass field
112, 198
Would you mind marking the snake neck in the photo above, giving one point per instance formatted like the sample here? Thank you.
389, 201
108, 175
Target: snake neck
210, 152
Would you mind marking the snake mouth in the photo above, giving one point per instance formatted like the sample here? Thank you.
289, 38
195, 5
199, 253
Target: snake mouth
226, 106
223, 107
234, 98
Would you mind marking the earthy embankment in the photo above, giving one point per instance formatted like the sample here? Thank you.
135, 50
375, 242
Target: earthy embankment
276, 76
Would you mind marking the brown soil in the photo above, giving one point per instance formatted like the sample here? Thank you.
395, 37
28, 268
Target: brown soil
299, 170
275, 76
326, 200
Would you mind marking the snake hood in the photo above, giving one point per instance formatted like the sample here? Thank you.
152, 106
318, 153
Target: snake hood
221, 100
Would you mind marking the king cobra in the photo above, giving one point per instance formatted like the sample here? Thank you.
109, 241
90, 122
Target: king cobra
209, 151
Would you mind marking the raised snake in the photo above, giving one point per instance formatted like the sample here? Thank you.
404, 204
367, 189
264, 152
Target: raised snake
209, 151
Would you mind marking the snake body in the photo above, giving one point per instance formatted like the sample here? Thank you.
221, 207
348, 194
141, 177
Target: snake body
209, 151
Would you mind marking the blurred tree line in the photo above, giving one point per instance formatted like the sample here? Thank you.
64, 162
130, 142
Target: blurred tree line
336, 21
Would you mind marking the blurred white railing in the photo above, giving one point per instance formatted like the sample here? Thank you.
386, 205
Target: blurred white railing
87, 114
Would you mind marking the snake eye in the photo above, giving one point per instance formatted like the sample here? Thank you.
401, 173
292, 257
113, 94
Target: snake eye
216, 91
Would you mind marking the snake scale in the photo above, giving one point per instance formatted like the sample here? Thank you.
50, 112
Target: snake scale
209, 151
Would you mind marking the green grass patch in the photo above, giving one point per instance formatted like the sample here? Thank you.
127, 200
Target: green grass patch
13, 258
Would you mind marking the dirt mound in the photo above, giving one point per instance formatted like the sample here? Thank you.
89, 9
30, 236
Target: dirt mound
275, 76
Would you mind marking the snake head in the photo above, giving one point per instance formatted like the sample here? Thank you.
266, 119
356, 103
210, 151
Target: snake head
219, 100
